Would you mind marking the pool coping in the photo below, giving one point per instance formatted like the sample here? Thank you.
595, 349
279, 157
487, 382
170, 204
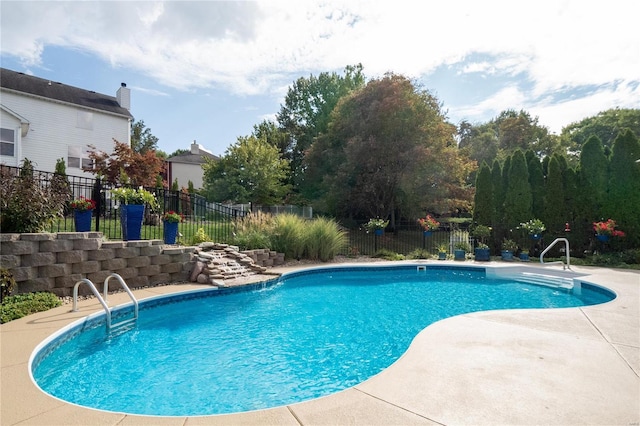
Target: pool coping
561, 366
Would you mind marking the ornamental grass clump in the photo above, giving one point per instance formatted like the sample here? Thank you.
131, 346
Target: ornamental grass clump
289, 235
324, 239
253, 231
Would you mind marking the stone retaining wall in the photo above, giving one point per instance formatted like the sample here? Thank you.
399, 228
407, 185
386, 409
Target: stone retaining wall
55, 262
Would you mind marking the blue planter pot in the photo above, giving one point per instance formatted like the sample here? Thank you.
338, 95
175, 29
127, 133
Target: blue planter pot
427, 233
482, 254
536, 236
170, 232
459, 254
378, 231
82, 220
603, 238
442, 256
524, 257
131, 217
507, 255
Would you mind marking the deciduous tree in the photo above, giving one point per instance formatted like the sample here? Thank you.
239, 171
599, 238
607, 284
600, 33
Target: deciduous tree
125, 166
385, 143
142, 140
306, 112
250, 171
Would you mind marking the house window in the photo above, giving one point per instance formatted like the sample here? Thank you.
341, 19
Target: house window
7, 142
78, 158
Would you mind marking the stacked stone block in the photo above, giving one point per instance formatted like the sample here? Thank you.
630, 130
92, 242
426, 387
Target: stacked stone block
214, 263
56, 261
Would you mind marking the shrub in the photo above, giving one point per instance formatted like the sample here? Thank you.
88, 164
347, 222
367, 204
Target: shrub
200, 237
419, 254
388, 255
324, 239
252, 239
7, 282
26, 203
289, 235
253, 231
21, 305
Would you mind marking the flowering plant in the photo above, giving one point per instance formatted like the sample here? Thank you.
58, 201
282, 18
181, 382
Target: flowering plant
377, 223
428, 223
83, 204
134, 196
509, 245
172, 216
534, 226
607, 228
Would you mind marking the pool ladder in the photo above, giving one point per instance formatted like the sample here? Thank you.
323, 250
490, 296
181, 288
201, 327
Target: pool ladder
566, 249
103, 300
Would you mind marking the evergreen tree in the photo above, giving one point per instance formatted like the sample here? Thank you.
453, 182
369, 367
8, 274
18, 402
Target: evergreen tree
536, 182
623, 201
517, 203
554, 212
498, 200
593, 177
593, 181
483, 211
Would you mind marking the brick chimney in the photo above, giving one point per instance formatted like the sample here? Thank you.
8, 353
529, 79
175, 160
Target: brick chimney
123, 96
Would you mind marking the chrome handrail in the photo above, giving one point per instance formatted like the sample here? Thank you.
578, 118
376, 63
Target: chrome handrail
566, 247
96, 293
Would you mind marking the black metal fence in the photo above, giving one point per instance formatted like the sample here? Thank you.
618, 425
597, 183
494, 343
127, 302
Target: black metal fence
405, 238
216, 220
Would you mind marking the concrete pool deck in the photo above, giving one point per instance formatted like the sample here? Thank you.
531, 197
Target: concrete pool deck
570, 366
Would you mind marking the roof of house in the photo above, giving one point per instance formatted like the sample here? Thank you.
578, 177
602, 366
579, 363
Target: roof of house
189, 158
41, 87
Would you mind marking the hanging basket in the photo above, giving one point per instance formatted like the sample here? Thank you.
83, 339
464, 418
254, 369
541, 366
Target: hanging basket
603, 238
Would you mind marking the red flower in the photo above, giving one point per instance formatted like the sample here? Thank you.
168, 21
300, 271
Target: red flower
429, 223
83, 204
607, 228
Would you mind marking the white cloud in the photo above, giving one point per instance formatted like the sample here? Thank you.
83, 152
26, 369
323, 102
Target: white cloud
260, 47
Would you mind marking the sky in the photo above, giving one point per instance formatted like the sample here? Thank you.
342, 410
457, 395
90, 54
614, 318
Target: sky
210, 70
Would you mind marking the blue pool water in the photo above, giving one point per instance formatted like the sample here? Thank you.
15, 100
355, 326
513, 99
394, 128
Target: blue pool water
307, 335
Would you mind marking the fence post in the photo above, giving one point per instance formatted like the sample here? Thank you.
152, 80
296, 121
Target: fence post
97, 196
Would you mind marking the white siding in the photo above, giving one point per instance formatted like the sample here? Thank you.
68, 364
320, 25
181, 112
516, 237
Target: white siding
185, 173
7, 121
54, 127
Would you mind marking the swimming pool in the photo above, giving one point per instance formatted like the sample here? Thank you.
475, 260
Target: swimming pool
309, 334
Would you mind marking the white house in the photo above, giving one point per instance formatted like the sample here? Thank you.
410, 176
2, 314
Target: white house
188, 166
44, 120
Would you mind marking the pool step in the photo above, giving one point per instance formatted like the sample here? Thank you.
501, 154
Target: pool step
546, 280
122, 327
